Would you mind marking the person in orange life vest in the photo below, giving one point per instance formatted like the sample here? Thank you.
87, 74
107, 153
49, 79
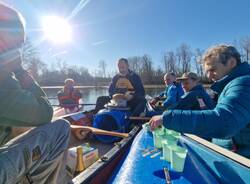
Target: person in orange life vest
69, 96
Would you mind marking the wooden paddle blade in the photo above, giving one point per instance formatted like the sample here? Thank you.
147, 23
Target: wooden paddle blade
98, 131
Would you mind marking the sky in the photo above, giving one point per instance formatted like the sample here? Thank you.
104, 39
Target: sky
111, 29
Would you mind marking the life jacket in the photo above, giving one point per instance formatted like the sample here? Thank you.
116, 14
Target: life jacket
69, 100
124, 83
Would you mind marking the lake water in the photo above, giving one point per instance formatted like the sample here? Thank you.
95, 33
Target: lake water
90, 94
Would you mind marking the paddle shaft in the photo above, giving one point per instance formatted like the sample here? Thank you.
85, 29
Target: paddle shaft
98, 131
139, 118
84, 104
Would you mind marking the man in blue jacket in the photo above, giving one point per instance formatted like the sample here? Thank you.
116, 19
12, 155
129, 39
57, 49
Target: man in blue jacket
231, 116
170, 96
129, 83
173, 91
195, 97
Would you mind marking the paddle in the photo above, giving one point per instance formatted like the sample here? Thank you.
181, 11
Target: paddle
98, 131
71, 114
68, 105
139, 118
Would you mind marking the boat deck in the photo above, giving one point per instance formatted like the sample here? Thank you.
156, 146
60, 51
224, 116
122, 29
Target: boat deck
203, 165
110, 155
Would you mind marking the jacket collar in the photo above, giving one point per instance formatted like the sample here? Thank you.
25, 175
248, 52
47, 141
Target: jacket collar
197, 88
241, 70
130, 72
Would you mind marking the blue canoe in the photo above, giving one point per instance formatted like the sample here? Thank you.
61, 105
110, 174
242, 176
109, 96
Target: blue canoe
205, 163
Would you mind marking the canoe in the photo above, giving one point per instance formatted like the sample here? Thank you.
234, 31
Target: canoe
109, 156
205, 163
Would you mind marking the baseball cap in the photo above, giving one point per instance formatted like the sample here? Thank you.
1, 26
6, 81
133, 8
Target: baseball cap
188, 75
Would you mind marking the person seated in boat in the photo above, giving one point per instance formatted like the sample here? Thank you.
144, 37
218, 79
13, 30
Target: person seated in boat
36, 155
129, 83
195, 97
170, 96
69, 96
231, 116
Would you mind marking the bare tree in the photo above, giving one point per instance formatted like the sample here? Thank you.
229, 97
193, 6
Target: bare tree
184, 56
102, 66
198, 63
135, 64
158, 76
147, 69
169, 62
245, 44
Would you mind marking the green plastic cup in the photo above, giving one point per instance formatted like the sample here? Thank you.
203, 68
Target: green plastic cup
169, 138
178, 157
158, 136
167, 131
167, 144
174, 133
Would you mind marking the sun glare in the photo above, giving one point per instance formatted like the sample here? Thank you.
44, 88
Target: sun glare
56, 29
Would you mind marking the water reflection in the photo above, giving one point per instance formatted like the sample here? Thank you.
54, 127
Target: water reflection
90, 94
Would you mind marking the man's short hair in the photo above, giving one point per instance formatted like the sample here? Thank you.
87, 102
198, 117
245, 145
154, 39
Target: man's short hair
170, 73
222, 53
124, 60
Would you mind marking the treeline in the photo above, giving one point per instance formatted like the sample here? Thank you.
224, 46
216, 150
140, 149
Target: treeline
182, 59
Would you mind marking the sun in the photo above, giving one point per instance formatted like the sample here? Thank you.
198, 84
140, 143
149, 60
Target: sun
56, 29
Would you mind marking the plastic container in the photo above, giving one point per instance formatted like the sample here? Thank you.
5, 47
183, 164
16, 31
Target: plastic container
167, 144
178, 157
111, 120
173, 133
158, 136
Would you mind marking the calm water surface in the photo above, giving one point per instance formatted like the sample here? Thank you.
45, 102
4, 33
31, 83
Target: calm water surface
90, 94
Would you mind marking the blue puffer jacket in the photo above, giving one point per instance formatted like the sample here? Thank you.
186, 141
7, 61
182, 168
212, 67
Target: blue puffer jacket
230, 117
189, 101
173, 94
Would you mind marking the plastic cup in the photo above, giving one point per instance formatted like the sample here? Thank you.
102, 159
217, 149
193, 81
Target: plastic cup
167, 144
167, 131
174, 133
158, 136
169, 138
178, 156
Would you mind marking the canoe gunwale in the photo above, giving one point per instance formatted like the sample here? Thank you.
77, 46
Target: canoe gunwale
87, 175
229, 154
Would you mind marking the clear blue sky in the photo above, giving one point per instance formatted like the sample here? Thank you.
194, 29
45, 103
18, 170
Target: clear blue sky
110, 29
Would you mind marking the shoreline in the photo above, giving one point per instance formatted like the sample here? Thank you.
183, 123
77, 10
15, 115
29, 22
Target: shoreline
148, 86
84, 87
